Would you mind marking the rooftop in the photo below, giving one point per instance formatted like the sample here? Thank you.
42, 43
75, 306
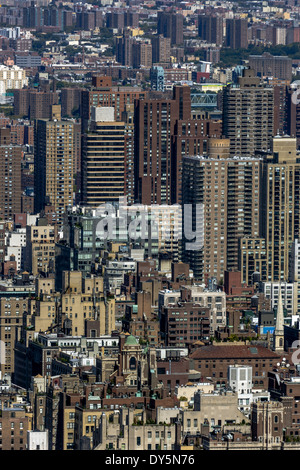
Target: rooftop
233, 352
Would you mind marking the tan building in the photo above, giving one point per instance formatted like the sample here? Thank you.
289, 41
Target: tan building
214, 409
82, 301
161, 49
185, 393
281, 185
122, 432
54, 165
226, 193
12, 309
248, 115
141, 54
68, 426
217, 409
40, 248
252, 259
43, 309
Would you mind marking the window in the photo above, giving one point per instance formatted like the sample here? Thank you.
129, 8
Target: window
132, 363
138, 441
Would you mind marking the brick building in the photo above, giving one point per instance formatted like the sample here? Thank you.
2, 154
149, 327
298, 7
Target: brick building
213, 361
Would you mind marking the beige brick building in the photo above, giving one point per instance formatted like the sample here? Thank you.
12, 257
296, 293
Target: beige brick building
40, 248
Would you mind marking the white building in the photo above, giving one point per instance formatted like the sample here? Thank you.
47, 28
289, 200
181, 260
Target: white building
15, 246
37, 440
13, 77
114, 273
240, 381
288, 294
167, 297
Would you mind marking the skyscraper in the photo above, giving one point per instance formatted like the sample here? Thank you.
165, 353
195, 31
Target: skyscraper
280, 206
141, 54
10, 189
248, 115
103, 159
229, 189
236, 33
210, 29
54, 165
243, 204
170, 25
154, 125
204, 183
161, 49
107, 96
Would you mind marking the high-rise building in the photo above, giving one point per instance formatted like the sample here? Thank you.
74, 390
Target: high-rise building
10, 190
141, 54
154, 126
124, 53
236, 33
293, 111
229, 191
196, 137
210, 29
161, 49
204, 184
54, 165
128, 119
252, 259
70, 101
40, 248
280, 212
248, 115
34, 104
115, 20
103, 159
170, 25
281, 97
243, 204
107, 96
